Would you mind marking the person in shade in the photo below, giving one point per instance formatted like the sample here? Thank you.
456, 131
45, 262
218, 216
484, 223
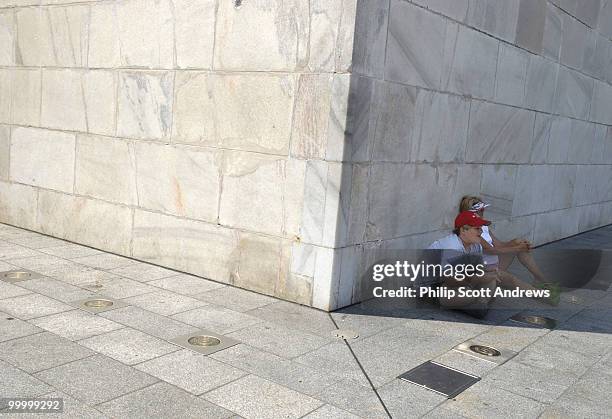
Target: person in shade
498, 255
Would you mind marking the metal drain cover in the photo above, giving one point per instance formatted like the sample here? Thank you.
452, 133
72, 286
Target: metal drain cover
204, 342
534, 320
439, 378
345, 334
98, 304
482, 351
18, 276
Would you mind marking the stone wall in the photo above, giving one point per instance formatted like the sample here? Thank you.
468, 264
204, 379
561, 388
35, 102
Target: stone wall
277, 145
511, 100
197, 135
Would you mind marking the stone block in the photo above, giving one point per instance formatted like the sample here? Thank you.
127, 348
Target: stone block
263, 35
588, 12
325, 20
76, 324
246, 179
190, 246
346, 37
295, 175
146, 321
511, 75
145, 105
553, 26
395, 121
370, 37
195, 33
67, 31
43, 158
85, 221
415, 49
358, 204
5, 146
555, 225
602, 103
177, 180
441, 127
541, 82
25, 93
574, 39
569, 6
456, 9
591, 187
134, 33
563, 186
247, 112
100, 97
541, 138
18, 205
106, 169
605, 19
560, 137
582, 142
26, 307
470, 61
32, 45
495, 17
311, 116
534, 189
530, 25
6, 86
498, 184
63, 105
574, 93
499, 134
7, 38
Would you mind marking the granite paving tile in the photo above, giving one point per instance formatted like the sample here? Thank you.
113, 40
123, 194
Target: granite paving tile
217, 319
186, 284
32, 305
164, 302
16, 383
11, 328
149, 322
105, 261
9, 290
76, 324
236, 299
119, 287
405, 400
55, 289
143, 272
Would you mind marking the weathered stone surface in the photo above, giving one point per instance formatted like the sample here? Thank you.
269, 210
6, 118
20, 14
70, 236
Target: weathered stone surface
246, 178
43, 158
5, 145
263, 35
552, 226
196, 247
499, 134
71, 218
18, 205
589, 191
25, 103
541, 82
456, 9
311, 116
371, 22
541, 137
100, 96
597, 56
530, 24
601, 107
247, 112
346, 36
194, 32
498, 184
574, 93
495, 17
415, 47
394, 112
7, 38
511, 75
543, 188
31, 45
178, 181
106, 169
553, 24
63, 100
605, 19
134, 33
6, 87
145, 105
441, 127
470, 60
325, 20
67, 31
574, 40
588, 12
293, 199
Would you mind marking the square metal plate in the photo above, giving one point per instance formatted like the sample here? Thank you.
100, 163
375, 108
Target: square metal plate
489, 353
98, 304
18, 275
534, 320
443, 380
204, 342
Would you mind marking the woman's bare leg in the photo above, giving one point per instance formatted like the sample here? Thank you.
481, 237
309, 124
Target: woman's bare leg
507, 280
528, 262
506, 260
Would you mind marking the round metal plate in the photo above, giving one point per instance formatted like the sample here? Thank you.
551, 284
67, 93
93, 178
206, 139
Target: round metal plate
345, 334
204, 341
98, 303
540, 321
18, 275
485, 350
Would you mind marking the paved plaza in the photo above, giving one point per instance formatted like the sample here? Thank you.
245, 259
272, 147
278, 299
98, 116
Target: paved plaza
124, 362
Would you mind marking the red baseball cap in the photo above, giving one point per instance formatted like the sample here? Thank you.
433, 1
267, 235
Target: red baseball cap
469, 218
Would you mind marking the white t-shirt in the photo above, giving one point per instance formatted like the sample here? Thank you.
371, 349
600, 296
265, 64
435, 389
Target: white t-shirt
487, 258
452, 247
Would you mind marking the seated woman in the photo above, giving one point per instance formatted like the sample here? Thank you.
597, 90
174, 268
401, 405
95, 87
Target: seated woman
499, 255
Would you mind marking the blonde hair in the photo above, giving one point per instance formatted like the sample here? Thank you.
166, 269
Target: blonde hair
467, 202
